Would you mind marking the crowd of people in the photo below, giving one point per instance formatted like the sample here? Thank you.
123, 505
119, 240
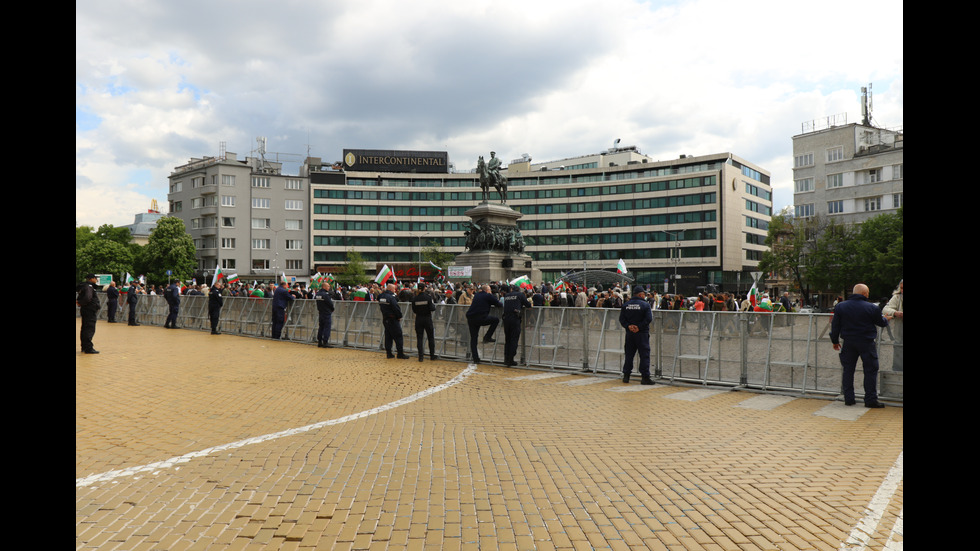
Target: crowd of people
855, 318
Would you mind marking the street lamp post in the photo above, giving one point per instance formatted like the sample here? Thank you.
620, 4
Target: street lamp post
675, 259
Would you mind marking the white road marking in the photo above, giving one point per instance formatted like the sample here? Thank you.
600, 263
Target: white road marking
861, 534
537, 377
166, 464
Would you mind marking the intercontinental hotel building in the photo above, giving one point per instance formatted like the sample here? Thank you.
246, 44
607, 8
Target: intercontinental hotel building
703, 218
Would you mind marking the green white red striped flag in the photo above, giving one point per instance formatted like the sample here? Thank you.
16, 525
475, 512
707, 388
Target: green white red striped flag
621, 267
384, 274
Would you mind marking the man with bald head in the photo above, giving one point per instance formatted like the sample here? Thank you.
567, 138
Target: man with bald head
856, 321
391, 319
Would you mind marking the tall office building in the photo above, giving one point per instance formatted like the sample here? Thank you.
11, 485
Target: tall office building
244, 216
703, 218
849, 172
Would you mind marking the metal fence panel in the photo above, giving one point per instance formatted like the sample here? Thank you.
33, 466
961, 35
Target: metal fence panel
768, 352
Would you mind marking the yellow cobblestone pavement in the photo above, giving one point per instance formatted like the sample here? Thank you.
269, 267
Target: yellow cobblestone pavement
169, 455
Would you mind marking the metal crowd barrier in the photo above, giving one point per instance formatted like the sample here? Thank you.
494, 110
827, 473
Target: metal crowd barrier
787, 353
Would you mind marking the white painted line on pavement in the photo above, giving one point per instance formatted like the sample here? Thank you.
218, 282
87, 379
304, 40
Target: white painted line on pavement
537, 377
166, 464
861, 534
695, 394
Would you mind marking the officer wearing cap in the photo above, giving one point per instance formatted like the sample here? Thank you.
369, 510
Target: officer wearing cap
88, 304
391, 319
422, 307
514, 303
636, 317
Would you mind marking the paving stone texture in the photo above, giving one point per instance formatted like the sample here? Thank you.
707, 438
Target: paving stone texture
499, 459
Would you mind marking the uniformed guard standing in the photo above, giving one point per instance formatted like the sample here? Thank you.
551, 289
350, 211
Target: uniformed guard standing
132, 299
280, 299
422, 307
88, 304
636, 317
172, 296
215, 302
324, 306
112, 301
514, 303
391, 318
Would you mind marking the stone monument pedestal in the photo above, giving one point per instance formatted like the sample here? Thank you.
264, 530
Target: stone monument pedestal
501, 259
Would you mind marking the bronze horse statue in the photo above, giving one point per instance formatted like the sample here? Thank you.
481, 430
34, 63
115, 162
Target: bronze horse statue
487, 178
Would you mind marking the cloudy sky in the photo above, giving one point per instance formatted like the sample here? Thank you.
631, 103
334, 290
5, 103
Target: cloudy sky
158, 82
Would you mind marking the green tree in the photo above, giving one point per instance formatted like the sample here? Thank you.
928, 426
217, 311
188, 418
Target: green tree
353, 273
434, 253
880, 252
789, 242
103, 256
170, 247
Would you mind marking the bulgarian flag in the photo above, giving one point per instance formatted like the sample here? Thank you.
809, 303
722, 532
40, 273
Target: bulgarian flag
384, 274
232, 279
129, 278
359, 295
315, 281
520, 281
621, 267
217, 275
754, 296
561, 286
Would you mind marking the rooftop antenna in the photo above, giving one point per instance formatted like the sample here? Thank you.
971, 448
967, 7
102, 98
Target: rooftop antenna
866, 105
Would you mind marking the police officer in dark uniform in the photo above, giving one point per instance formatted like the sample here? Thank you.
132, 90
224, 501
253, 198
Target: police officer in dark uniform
391, 318
636, 316
422, 307
514, 303
132, 298
88, 303
281, 298
112, 301
856, 321
215, 302
478, 315
172, 296
324, 307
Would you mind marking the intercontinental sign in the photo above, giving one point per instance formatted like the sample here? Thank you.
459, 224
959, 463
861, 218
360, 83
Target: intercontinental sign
378, 160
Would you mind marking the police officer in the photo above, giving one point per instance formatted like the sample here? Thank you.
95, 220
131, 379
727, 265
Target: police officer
324, 307
391, 318
215, 302
112, 301
132, 298
88, 303
636, 317
280, 299
422, 307
478, 315
856, 321
172, 296
514, 303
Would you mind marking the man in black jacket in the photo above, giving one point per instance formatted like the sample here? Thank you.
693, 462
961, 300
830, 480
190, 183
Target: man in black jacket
112, 301
132, 298
172, 296
391, 319
478, 315
88, 303
215, 302
514, 303
324, 307
422, 307
856, 321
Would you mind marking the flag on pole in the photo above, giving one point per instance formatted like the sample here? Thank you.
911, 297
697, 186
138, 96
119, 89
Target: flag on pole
384, 274
621, 267
217, 275
521, 280
232, 279
753, 296
129, 278
434, 266
561, 286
